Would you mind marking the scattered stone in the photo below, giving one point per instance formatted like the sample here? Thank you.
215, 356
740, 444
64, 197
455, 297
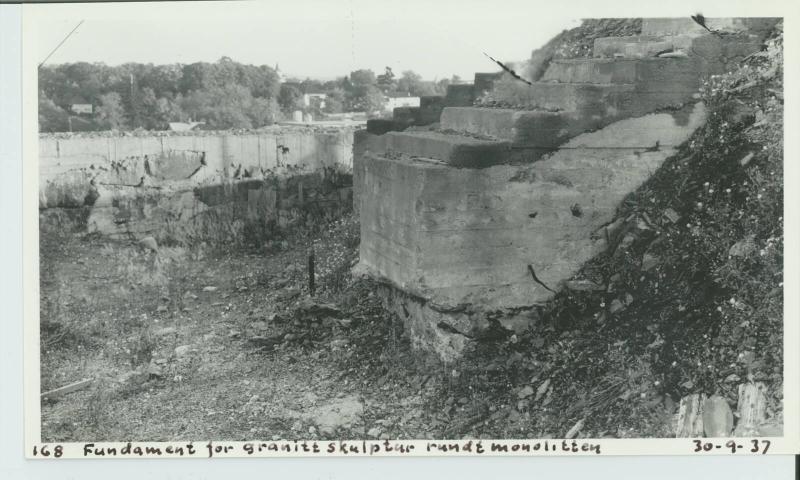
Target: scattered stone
746, 159
182, 350
266, 342
345, 322
525, 392
288, 294
717, 417
336, 414
732, 378
309, 308
312, 430
338, 344
574, 430
374, 432
672, 215
385, 436
616, 306
260, 325
161, 308
627, 240
164, 331
649, 261
154, 370
743, 247
583, 286
234, 334
210, 289
149, 243
542, 389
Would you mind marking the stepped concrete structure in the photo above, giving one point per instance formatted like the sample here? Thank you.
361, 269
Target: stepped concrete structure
471, 216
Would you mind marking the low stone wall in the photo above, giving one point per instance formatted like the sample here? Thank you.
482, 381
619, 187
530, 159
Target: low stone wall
205, 186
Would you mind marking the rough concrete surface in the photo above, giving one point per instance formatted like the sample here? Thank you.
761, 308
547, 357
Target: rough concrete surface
462, 239
163, 184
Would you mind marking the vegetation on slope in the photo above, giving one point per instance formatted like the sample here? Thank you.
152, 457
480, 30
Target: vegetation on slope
691, 289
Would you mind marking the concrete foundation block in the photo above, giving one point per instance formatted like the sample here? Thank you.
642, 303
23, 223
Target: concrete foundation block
459, 244
649, 75
454, 150
485, 82
460, 95
641, 46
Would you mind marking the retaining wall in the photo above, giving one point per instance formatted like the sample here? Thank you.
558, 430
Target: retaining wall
195, 187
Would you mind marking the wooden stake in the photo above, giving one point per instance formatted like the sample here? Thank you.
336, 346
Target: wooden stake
72, 387
311, 286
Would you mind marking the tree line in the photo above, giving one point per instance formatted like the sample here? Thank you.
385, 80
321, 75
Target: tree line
225, 94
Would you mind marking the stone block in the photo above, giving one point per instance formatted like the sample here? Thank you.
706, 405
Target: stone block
640, 46
460, 95
454, 150
590, 100
649, 75
459, 243
485, 82
379, 126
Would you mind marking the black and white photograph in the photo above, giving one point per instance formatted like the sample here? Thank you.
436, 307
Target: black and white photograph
436, 222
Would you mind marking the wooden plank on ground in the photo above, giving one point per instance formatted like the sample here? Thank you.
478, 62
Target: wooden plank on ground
72, 387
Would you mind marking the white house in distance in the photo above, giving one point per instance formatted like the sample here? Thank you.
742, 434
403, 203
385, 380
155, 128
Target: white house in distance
84, 108
394, 100
184, 126
314, 98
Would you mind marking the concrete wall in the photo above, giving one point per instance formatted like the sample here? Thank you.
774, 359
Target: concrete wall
159, 184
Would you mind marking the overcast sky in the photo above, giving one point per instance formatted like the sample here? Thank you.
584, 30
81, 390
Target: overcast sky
322, 39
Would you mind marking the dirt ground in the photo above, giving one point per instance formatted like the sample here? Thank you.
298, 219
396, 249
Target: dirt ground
187, 345
202, 343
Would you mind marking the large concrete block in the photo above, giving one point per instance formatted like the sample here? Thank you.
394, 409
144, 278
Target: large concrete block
640, 46
649, 75
450, 149
590, 100
485, 82
712, 53
458, 245
460, 95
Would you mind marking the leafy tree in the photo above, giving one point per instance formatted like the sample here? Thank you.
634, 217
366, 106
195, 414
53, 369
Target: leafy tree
362, 78
386, 81
334, 102
264, 111
412, 83
290, 99
110, 114
52, 118
367, 98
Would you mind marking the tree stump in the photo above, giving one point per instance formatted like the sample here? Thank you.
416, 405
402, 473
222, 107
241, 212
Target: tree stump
689, 419
752, 409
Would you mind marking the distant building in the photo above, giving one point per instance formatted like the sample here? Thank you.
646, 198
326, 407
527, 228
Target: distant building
310, 99
184, 126
81, 108
394, 100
